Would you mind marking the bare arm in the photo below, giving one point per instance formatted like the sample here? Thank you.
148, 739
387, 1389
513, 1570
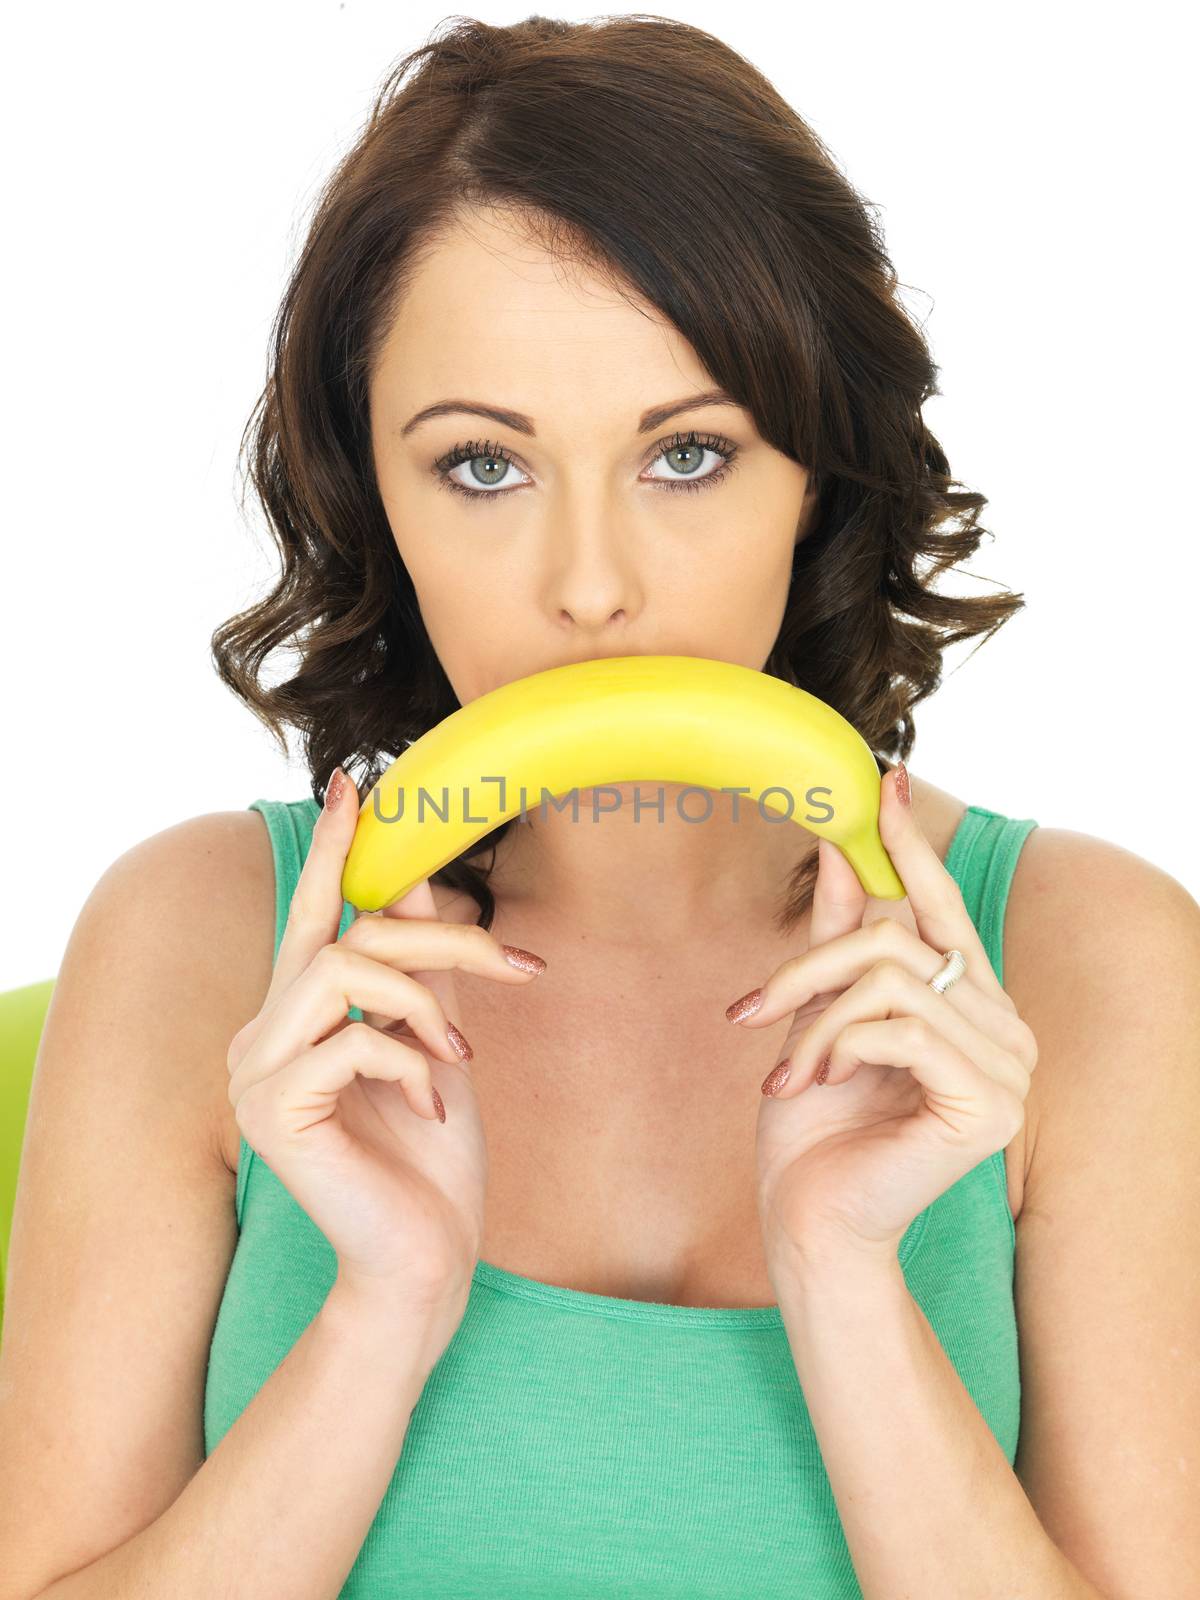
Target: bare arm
1101, 1502
281, 1508
123, 1232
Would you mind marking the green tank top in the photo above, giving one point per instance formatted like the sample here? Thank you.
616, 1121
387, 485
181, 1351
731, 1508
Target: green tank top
576, 1446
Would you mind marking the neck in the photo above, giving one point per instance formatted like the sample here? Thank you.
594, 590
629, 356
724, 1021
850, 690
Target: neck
626, 863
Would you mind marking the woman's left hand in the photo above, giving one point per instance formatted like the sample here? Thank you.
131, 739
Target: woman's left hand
921, 1086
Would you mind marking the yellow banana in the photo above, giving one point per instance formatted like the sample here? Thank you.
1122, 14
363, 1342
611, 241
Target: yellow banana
620, 719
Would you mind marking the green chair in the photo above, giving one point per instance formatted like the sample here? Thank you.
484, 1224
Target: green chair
22, 1015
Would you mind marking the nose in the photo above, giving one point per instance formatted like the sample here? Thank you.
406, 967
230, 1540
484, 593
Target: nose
591, 583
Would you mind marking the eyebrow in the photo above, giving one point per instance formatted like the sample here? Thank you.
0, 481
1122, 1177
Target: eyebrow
654, 418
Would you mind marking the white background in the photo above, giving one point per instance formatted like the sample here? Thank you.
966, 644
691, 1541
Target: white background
1034, 170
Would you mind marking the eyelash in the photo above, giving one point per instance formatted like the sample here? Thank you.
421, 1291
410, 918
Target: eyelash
496, 452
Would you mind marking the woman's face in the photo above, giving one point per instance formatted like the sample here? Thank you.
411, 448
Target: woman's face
584, 522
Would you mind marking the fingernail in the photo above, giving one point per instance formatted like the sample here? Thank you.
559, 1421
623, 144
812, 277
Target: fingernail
776, 1078
902, 791
463, 1049
334, 788
524, 959
745, 1007
438, 1105
822, 1071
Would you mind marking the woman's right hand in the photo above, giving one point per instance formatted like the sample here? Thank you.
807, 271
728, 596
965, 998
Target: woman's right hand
346, 1114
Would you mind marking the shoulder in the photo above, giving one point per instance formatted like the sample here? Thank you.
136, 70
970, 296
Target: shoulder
1076, 866
236, 838
1085, 911
1100, 946
215, 871
191, 909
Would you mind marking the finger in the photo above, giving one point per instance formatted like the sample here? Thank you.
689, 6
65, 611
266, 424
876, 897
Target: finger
338, 979
942, 918
315, 911
419, 905
899, 911
316, 907
838, 903
839, 899
965, 1097
837, 907
425, 950
305, 1089
833, 968
888, 991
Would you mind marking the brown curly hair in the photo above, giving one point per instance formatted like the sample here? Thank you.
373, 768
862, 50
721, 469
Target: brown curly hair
769, 263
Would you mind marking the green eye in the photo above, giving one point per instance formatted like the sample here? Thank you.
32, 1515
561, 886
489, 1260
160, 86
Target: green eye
495, 457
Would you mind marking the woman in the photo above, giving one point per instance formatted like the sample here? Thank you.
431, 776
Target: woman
685, 1266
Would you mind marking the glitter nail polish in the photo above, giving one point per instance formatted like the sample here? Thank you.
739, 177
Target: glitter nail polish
524, 959
776, 1078
465, 1053
745, 1007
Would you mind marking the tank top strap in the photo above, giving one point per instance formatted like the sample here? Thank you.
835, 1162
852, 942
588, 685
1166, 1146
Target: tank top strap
982, 859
